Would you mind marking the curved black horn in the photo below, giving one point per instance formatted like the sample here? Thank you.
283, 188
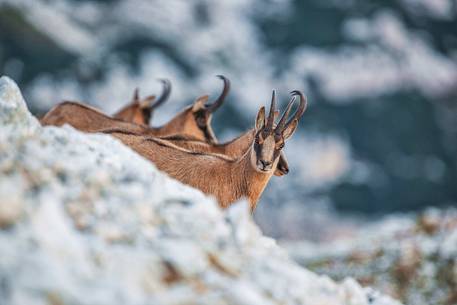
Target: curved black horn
282, 121
301, 107
271, 114
165, 93
220, 100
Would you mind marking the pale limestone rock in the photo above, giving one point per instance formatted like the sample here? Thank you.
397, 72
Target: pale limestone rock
94, 223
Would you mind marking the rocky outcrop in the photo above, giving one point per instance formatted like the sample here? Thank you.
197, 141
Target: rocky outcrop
412, 259
85, 220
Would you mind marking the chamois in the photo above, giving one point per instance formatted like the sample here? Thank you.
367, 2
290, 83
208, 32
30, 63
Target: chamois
227, 179
194, 120
92, 120
234, 148
140, 111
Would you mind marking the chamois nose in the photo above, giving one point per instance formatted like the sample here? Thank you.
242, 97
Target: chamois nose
284, 169
265, 165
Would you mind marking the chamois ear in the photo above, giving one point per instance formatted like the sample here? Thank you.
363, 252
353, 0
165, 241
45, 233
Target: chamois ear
199, 104
290, 129
260, 120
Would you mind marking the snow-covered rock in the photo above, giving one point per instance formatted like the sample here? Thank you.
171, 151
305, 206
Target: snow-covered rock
413, 259
85, 220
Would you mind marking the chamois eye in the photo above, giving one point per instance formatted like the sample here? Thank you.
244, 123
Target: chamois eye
201, 121
281, 146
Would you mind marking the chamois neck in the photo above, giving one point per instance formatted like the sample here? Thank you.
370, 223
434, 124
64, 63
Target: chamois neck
177, 124
225, 178
248, 182
238, 145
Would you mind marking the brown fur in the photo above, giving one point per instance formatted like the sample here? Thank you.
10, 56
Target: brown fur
232, 149
190, 137
85, 118
227, 179
193, 122
133, 113
140, 111
89, 119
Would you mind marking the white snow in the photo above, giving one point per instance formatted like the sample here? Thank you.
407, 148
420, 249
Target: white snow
98, 224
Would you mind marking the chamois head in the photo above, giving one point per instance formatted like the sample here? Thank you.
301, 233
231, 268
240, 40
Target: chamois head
140, 111
199, 115
270, 139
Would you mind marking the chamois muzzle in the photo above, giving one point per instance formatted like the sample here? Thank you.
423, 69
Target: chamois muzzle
265, 165
283, 166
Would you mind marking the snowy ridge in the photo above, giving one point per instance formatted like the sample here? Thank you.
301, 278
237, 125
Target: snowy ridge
84, 220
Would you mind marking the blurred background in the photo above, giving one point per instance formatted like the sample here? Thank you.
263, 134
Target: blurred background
380, 134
